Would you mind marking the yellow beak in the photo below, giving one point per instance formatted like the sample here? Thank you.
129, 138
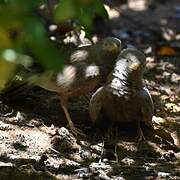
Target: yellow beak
134, 66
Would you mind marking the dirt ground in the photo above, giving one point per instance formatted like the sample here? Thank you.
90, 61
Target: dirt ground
34, 138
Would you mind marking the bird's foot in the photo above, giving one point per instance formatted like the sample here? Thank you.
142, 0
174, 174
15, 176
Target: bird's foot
140, 138
75, 131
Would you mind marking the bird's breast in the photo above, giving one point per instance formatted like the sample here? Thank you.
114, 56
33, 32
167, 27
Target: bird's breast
78, 89
121, 109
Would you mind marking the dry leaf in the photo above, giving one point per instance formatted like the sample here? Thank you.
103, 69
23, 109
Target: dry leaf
172, 107
164, 135
166, 51
158, 120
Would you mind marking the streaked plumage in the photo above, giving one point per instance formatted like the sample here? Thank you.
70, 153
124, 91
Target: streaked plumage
85, 69
124, 98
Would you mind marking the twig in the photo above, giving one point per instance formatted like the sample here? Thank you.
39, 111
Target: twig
54, 150
102, 152
8, 114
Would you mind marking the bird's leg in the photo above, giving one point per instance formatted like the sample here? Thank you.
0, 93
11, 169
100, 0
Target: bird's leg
140, 136
116, 154
74, 130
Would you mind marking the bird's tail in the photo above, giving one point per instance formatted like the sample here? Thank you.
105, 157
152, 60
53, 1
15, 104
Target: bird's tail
14, 90
21, 82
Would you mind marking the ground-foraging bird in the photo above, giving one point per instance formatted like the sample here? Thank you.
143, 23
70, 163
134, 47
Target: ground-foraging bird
124, 98
85, 69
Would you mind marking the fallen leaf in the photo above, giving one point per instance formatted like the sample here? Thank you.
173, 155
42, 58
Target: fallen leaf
164, 135
158, 120
166, 51
172, 107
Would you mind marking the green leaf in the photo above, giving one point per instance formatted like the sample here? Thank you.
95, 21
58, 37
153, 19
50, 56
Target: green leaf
99, 8
6, 72
41, 46
82, 10
65, 10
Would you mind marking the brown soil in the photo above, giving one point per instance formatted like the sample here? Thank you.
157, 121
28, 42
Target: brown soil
34, 137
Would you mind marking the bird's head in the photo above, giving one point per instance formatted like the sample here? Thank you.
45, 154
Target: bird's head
111, 45
127, 73
133, 59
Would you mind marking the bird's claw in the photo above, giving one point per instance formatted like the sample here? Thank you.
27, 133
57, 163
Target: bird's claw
140, 138
76, 132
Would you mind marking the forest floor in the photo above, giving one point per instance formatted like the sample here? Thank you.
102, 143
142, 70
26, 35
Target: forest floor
34, 138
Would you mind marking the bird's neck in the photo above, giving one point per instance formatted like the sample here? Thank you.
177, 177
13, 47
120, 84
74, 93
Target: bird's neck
135, 81
127, 84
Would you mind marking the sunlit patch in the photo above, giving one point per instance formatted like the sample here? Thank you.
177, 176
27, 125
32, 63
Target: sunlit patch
168, 34
53, 27
82, 37
52, 38
138, 5
116, 83
67, 76
92, 71
158, 120
112, 12
150, 59
70, 38
9, 55
172, 107
95, 39
163, 21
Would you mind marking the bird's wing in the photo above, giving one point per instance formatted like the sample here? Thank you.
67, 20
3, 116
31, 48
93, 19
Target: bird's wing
147, 107
46, 80
80, 54
96, 103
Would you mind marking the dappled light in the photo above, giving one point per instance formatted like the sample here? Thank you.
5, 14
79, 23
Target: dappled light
89, 89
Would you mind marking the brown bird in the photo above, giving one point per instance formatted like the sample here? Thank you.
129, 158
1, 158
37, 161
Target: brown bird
124, 98
85, 69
